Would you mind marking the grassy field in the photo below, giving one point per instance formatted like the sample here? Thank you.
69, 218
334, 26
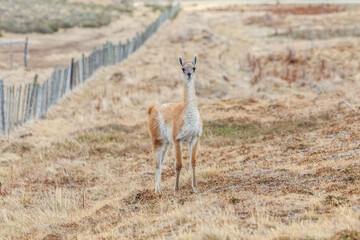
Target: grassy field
45, 16
278, 159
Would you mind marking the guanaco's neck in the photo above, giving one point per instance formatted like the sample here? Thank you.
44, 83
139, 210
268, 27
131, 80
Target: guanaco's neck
189, 94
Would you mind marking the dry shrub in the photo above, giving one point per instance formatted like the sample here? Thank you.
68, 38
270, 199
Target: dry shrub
304, 10
305, 66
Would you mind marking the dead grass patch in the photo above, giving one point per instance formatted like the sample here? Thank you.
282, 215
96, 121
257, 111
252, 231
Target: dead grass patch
304, 10
306, 67
19, 148
233, 133
346, 235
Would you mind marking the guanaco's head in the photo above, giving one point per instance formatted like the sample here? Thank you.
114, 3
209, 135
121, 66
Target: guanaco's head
188, 68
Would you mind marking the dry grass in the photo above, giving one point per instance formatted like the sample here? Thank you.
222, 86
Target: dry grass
307, 67
48, 50
295, 186
283, 167
50, 16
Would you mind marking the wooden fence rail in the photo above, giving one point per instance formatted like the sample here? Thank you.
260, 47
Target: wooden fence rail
31, 101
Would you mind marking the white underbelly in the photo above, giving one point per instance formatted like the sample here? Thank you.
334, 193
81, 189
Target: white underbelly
165, 130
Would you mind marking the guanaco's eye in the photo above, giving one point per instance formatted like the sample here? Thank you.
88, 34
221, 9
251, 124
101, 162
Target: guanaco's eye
183, 69
194, 69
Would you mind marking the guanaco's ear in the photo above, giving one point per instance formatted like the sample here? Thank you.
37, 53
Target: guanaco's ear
194, 62
181, 61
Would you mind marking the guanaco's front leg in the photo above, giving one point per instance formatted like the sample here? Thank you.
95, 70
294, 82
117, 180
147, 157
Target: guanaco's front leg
192, 152
178, 163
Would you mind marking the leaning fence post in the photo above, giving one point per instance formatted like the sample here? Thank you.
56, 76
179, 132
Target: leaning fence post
7, 108
81, 71
27, 102
35, 100
42, 101
2, 103
11, 103
46, 95
63, 85
108, 48
17, 102
76, 74
71, 73
59, 84
23, 104
68, 78
31, 100
26, 51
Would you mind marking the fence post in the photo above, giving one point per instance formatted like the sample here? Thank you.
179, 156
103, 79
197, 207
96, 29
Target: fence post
17, 105
11, 106
7, 108
127, 48
35, 100
42, 102
86, 68
2, 103
26, 51
13, 101
71, 73
68, 77
59, 84
63, 86
31, 100
30, 86
120, 51
46, 95
77, 73
109, 48
81, 75
23, 104
116, 53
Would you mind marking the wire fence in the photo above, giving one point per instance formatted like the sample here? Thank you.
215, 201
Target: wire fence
23, 103
11, 52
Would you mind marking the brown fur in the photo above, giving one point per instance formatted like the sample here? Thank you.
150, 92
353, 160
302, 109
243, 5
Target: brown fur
173, 115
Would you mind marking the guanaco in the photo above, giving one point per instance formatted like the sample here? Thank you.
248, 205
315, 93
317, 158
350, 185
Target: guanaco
176, 123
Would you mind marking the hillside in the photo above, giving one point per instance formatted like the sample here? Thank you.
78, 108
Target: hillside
279, 157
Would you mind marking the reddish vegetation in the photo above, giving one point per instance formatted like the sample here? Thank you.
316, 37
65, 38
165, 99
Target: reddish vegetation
308, 65
304, 10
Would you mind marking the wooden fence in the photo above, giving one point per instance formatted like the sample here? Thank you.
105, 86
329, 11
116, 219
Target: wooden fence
11, 50
23, 103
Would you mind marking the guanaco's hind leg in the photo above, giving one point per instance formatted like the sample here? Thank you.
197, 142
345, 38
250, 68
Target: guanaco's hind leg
160, 149
178, 163
192, 152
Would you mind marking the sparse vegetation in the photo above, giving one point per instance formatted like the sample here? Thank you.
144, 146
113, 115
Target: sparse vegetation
156, 7
310, 34
311, 9
43, 16
19, 148
305, 67
251, 132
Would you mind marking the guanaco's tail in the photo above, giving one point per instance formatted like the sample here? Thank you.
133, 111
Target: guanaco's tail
151, 108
